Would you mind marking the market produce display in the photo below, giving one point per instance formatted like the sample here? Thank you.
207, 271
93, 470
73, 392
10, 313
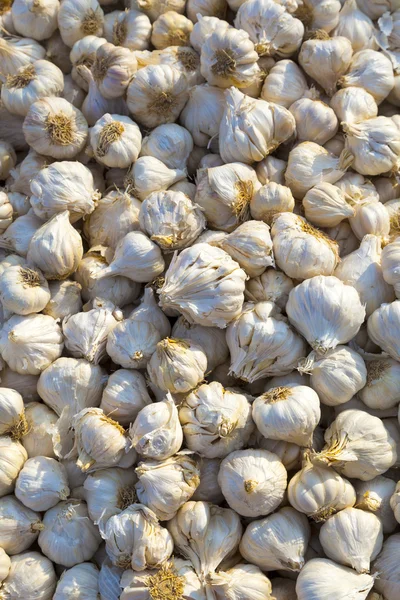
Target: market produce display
199, 300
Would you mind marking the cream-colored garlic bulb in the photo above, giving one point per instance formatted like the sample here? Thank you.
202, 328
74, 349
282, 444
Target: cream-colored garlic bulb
84, 53
125, 395
357, 187
288, 413
284, 84
183, 58
240, 579
5, 564
253, 481
323, 576
86, 333
277, 542
171, 29
8, 159
65, 521
130, 29
19, 525
148, 174
23, 290
36, 20
65, 299
271, 170
251, 129
113, 68
315, 120
251, 246
95, 105
12, 459
354, 104
12, 414
356, 26
262, 344
30, 573
18, 235
386, 568
115, 140
325, 311
205, 8
319, 492
320, 14
215, 420
358, 445
17, 52
300, 250
82, 579
310, 164
26, 170
203, 113
41, 483
38, 441
29, 344
79, 18
374, 496
203, 28
157, 95
390, 262
372, 71
381, 389
56, 247
326, 205
271, 286
108, 492
228, 57
63, 186
206, 299
13, 205
169, 143
383, 326
211, 339
205, 534
395, 503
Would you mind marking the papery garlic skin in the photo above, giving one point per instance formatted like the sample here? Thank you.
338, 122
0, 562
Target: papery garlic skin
84, 53
372, 71
315, 120
113, 69
240, 579
203, 112
354, 104
170, 143
356, 26
18, 235
83, 579
323, 576
270, 199
211, 339
5, 564
374, 496
251, 246
19, 525
115, 141
271, 286
12, 413
171, 29
205, 8
95, 105
12, 459
23, 290
42, 483
78, 18
387, 566
18, 52
41, 421
6, 212
284, 84
130, 29
65, 299
204, 27
108, 492
30, 573
395, 503
382, 328
381, 389
389, 260
325, 205
125, 395
148, 174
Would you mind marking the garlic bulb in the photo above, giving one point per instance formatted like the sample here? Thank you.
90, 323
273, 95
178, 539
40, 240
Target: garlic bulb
395, 503
63, 186
115, 140
300, 250
323, 576
65, 299
5, 564
277, 542
211, 339
23, 384
271, 286
205, 534
208, 489
42, 483
319, 491
35, 20
203, 112
262, 343
19, 204
215, 420
320, 14
38, 441
148, 174
169, 143
171, 220
386, 568
12, 414
228, 57
325, 311
310, 164
371, 216
203, 28
78, 18
372, 71
130, 29
30, 573
374, 496
382, 328
171, 29
108, 492
358, 445
315, 120
19, 525
95, 105
183, 58
284, 84
251, 246
26, 170
12, 459
124, 396
156, 432
326, 205
251, 129
356, 26
23, 290
288, 413
205, 8
157, 95
30, 83
86, 333
16, 52
205, 285
381, 389
65, 521
271, 170
81, 580
112, 69
390, 261
84, 53
241, 579
30, 343
354, 104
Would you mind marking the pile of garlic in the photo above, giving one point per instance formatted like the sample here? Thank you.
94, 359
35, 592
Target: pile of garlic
199, 299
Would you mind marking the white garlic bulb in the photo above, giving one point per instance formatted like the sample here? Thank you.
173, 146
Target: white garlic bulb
271, 286
65, 299
6, 212
372, 71
125, 395
42, 483
169, 143
390, 261
205, 8
323, 576
326, 205
30, 573
270, 199
251, 246
12, 459
395, 503
203, 112
315, 120
374, 496
130, 29
84, 53
354, 104
277, 542
240, 579
78, 18
382, 328
41, 421
86, 333
356, 26
148, 174
113, 68
215, 420
26, 170
16, 52
387, 566
23, 290
82, 579
381, 389
211, 339
156, 432
108, 492
115, 140
171, 29
19, 525
95, 105
12, 414
371, 217
284, 84
18, 235
204, 27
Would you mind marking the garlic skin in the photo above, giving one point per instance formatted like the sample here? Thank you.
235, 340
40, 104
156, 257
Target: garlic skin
284, 84
203, 112
6, 212
5, 564
171, 29
12, 459
374, 496
315, 120
130, 29
277, 542
35, 20
204, 300
372, 71
64, 186
29, 344
165, 486
169, 143
253, 482
115, 140
326, 205
251, 246
8, 159
208, 489
41, 421
271, 286
42, 483
78, 18
171, 220
19, 525
321, 14
251, 129
205, 8
56, 247
18, 235
65, 299
354, 105
148, 174
124, 396
300, 250
204, 27
82, 579
358, 445
371, 217
356, 26
84, 53
387, 566
205, 534
65, 521
95, 105
395, 503
389, 261
12, 414
381, 389
112, 69
241, 579
108, 492
26, 170
30, 573
23, 290
157, 95
211, 339
382, 328
156, 433
228, 57
16, 52
30, 83
86, 333
323, 576
262, 344
270, 199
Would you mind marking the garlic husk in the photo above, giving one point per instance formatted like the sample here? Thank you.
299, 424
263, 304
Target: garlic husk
358, 445
82, 579
73, 93
41, 483
171, 220
19, 525
26, 170
86, 333
381, 389
389, 260
169, 143
336, 144
354, 104
23, 290
108, 492
38, 441
208, 489
284, 84
374, 496
15, 206
115, 141
262, 344
18, 235
130, 29
65, 299
211, 339
23, 384
300, 250
242, 579
148, 174
205, 8
156, 432
395, 503
84, 53
203, 112
95, 105
112, 69
326, 205
29, 573
323, 576
109, 580
382, 328
356, 26
386, 568
17, 52
12, 459
171, 29
288, 453
78, 18
251, 129
372, 71
251, 246
320, 14
204, 27
315, 120
277, 542
12, 414
271, 286
125, 395
184, 59
215, 420
228, 57
134, 539
205, 534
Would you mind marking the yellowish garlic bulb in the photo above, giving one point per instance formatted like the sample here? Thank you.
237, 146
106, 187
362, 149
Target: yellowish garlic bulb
315, 120
171, 29
251, 246
38, 441
354, 104
374, 496
130, 29
240, 579
284, 84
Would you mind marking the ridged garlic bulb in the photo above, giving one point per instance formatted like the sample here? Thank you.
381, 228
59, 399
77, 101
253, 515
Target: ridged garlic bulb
374, 496
170, 143
86, 333
16, 52
125, 395
271, 286
78, 18
82, 579
6, 212
18, 235
12, 459
386, 568
356, 26
108, 492
95, 105
240, 579
383, 326
323, 576
315, 120
284, 84
277, 542
30, 573
372, 71
148, 174
65, 299
12, 414
270, 199
204, 27
19, 525
84, 53
115, 141
203, 112
354, 104
211, 339
326, 205
381, 390
41, 421
171, 29
215, 420
42, 483
130, 29
250, 245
